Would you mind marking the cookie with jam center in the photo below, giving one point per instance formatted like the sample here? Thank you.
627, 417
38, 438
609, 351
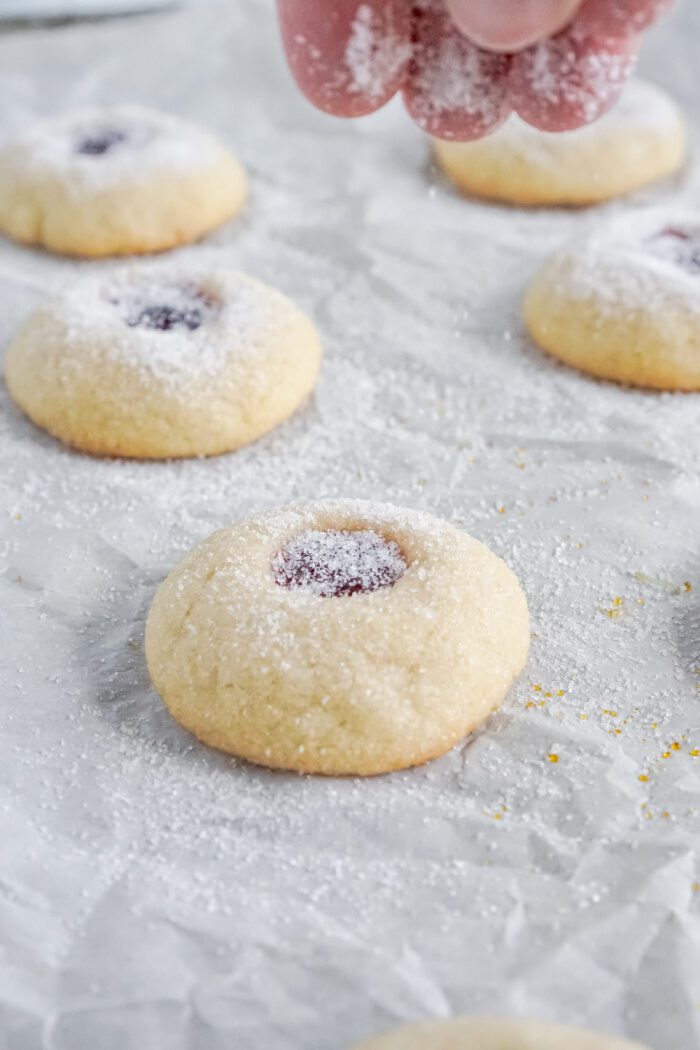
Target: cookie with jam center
338, 637
116, 180
623, 303
163, 361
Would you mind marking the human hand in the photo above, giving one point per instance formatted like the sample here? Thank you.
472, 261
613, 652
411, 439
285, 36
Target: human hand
464, 65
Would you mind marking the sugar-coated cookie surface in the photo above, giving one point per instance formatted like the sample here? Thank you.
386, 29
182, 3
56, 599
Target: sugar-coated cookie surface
116, 180
163, 361
624, 302
641, 140
338, 637
491, 1034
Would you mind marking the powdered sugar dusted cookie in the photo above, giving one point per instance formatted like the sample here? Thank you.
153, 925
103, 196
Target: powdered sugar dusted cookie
490, 1034
641, 140
624, 303
118, 180
163, 361
337, 637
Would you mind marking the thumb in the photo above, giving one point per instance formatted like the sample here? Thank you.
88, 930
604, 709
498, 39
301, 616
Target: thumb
511, 25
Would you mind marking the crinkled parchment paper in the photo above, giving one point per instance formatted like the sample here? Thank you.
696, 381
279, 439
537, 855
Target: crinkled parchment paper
154, 894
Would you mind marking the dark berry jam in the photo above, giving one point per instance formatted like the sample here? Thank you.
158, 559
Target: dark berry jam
100, 143
164, 318
679, 246
166, 307
337, 563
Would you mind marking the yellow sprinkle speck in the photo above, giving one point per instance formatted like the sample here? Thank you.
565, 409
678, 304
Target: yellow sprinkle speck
666, 754
666, 815
675, 746
612, 714
560, 692
695, 887
687, 586
537, 688
616, 610
695, 753
530, 704
643, 777
553, 758
501, 510
584, 718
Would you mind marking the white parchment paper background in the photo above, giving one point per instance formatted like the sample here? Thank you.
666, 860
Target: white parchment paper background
154, 894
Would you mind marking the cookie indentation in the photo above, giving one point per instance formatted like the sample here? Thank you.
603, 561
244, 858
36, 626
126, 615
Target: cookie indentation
101, 142
337, 562
166, 317
678, 245
165, 309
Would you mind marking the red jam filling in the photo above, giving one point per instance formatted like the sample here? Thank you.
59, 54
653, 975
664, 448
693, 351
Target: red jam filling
679, 246
336, 563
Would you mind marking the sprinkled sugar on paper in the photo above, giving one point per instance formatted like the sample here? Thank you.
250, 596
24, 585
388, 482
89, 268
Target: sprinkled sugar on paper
153, 886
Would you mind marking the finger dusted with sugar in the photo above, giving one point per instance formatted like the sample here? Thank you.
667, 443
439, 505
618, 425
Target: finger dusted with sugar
570, 80
455, 89
353, 59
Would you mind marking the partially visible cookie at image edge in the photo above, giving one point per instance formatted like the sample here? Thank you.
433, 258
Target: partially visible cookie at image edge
623, 303
492, 1034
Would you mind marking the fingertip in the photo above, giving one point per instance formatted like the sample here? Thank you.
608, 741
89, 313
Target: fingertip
511, 25
570, 81
454, 90
351, 61
454, 124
